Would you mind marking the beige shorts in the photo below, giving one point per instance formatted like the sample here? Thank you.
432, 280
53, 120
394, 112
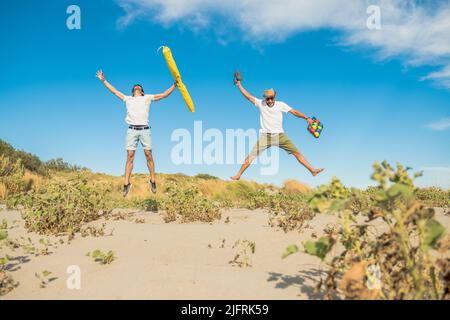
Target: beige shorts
267, 140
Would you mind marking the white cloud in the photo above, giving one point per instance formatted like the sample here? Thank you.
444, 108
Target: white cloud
440, 125
442, 76
415, 31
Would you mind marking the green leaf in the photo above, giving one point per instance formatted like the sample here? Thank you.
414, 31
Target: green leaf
319, 248
319, 204
96, 253
381, 195
290, 250
337, 205
433, 232
46, 273
418, 174
3, 234
400, 189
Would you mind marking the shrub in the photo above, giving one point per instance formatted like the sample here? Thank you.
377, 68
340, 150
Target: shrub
12, 177
404, 260
206, 176
63, 206
102, 257
151, 204
259, 199
29, 161
189, 204
243, 257
289, 212
326, 197
434, 197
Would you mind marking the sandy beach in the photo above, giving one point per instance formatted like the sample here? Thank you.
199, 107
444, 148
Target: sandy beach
158, 260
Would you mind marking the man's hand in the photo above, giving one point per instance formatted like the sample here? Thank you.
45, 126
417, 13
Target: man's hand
100, 75
309, 120
116, 92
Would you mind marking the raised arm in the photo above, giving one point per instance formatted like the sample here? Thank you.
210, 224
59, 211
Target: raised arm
101, 76
165, 94
298, 114
244, 92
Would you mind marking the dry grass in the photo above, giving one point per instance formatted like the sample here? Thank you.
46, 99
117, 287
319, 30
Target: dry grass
214, 189
2, 191
294, 186
31, 179
34, 180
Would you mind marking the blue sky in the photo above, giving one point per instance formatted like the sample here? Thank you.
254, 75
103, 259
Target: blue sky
372, 97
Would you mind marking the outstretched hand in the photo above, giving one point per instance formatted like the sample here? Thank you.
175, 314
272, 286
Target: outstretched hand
309, 120
100, 75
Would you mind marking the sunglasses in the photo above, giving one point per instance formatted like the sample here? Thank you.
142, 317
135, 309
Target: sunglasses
270, 98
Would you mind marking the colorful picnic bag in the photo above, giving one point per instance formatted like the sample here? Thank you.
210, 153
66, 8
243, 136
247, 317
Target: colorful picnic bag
315, 128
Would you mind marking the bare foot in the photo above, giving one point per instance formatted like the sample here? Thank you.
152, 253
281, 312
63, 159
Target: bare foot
235, 178
317, 171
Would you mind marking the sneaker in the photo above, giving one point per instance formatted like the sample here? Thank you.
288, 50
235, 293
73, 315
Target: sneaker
152, 185
126, 189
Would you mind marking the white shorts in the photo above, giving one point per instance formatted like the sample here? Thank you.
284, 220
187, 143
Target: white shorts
136, 136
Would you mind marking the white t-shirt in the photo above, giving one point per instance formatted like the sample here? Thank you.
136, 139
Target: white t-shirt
138, 109
271, 118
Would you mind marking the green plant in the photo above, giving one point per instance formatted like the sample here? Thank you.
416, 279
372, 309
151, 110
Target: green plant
7, 282
257, 200
64, 206
93, 231
189, 204
434, 197
245, 249
289, 211
405, 256
151, 204
60, 165
29, 161
12, 176
206, 176
102, 257
43, 278
328, 197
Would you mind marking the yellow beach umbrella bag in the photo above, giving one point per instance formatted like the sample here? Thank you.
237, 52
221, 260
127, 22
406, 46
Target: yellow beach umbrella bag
177, 77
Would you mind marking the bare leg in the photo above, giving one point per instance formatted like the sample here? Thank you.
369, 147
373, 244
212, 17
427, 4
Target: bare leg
129, 165
307, 165
150, 164
244, 167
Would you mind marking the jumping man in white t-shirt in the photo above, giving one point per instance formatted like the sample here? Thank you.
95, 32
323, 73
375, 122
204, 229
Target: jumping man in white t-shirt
138, 108
272, 133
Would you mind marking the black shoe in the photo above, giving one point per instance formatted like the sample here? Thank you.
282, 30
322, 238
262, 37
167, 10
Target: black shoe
126, 189
152, 185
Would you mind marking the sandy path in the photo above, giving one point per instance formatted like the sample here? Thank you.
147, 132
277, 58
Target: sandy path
156, 260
